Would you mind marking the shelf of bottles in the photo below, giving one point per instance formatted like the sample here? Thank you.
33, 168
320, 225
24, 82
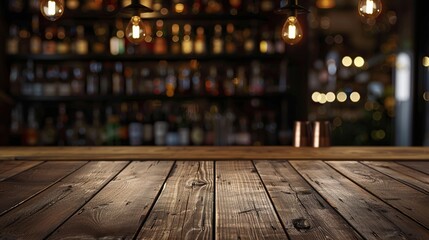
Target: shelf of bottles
208, 73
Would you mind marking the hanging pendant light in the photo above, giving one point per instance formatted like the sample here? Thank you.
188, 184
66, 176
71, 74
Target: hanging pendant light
369, 8
52, 9
135, 31
292, 32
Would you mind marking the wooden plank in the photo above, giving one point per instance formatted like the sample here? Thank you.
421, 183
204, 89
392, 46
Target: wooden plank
405, 198
419, 166
304, 213
119, 209
11, 168
39, 216
243, 208
370, 216
21, 187
213, 153
184, 209
403, 174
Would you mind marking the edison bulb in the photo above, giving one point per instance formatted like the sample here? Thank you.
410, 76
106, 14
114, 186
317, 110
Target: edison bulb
292, 31
369, 8
52, 9
135, 31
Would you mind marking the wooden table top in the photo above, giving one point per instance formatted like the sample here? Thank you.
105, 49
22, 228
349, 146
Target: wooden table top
212, 199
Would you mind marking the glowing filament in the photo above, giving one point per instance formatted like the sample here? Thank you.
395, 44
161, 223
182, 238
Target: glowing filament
369, 8
51, 8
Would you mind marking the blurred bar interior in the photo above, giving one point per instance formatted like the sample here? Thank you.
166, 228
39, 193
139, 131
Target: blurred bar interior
213, 72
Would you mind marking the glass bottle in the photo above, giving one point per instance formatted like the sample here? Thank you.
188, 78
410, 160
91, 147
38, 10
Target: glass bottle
159, 79
217, 41
16, 125
79, 130
243, 136
211, 83
130, 81
256, 81
258, 130
81, 43
48, 134
147, 128
175, 39
230, 45
78, 83
123, 124
93, 78
249, 40
95, 131
200, 41
118, 79
160, 43
183, 131
36, 40
31, 135
62, 125
117, 41
160, 128
135, 129
49, 44
172, 135
197, 131
106, 78
180, 7
187, 41
235, 6
112, 128
184, 81
228, 83
170, 82
214, 6
63, 44
64, 87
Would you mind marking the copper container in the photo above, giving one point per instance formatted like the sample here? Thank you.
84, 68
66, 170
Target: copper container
321, 133
302, 134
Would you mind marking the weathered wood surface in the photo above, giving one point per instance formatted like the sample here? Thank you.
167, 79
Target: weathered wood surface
302, 210
370, 216
214, 153
243, 208
184, 209
403, 174
117, 211
11, 168
258, 199
406, 199
419, 166
19, 188
41, 215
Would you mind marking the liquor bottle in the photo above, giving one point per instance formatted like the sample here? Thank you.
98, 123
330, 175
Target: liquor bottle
230, 45
241, 82
183, 130
172, 135
93, 78
130, 81
249, 40
258, 130
243, 136
63, 43
214, 6
16, 125
36, 40
175, 39
79, 137
49, 45
51, 81
160, 43
217, 41
101, 34
123, 125
229, 126
271, 129
135, 129
78, 83
200, 41
187, 41
147, 128
118, 79
159, 79
106, 79
27, 80
197, 131
145, 84
266, 44
112, 128
256, 81
62, 124
117, 41
228, 83
170, 82
184, 81
95, 131
31, 135
15, 80
211, 83
48, 134
64, 87
81, 43
160, 128
208, 126
196, 82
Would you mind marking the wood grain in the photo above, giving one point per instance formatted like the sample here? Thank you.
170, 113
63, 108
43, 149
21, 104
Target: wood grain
243, 208
11, 168
184, 210
304, 213
419, 166
21, 187
214, 153
39, 216
370, 216
403, 174
405, 198
117, 211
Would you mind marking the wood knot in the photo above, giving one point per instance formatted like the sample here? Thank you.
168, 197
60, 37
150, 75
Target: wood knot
301, 224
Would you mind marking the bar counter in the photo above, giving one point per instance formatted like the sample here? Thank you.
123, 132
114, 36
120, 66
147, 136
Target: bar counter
214, 193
